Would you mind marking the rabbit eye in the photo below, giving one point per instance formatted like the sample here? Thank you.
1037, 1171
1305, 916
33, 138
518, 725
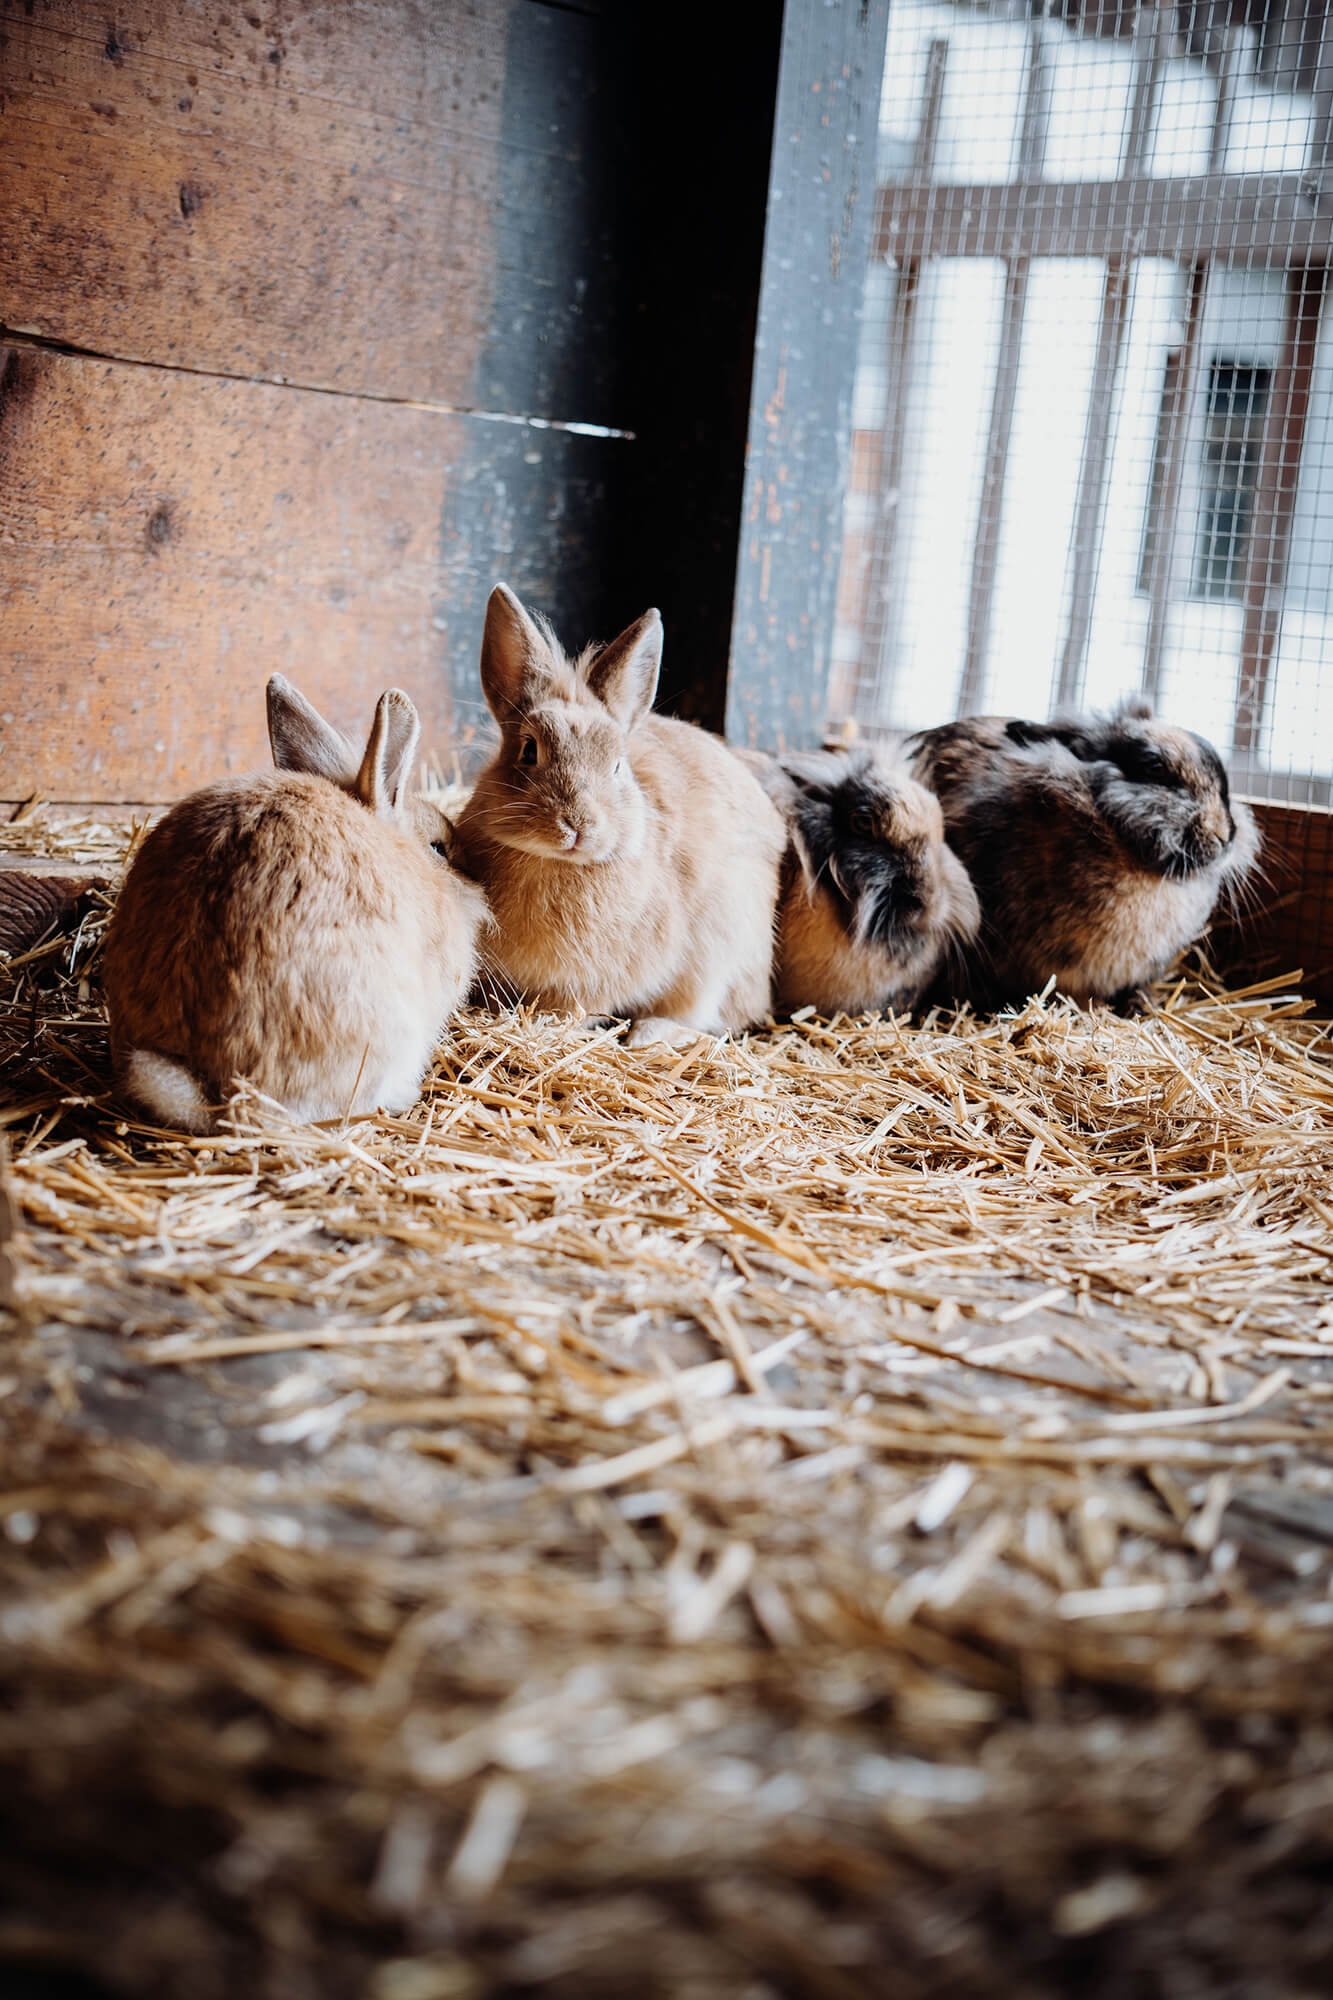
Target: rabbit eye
863, 824
1142, 764
440, 847
527, 750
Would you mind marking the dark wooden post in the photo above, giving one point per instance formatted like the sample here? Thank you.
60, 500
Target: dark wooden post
820, 209
698, 98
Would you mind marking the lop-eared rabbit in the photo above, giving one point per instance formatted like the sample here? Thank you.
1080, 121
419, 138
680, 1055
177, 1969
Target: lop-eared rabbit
303, 930
874, 903
631, 861
1099, 846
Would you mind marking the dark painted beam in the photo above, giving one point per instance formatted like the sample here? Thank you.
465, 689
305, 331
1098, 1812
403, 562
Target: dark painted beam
646, 248
697, 101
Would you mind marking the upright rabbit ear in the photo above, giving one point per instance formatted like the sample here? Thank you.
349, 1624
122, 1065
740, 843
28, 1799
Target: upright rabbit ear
512, 652
302, 740
387, 764
623, 675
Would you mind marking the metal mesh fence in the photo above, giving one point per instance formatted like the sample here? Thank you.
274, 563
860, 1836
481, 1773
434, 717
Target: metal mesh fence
1093, 423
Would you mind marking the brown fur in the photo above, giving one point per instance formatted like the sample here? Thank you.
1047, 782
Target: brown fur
632, 869
825, 958
1099, 847
287, 931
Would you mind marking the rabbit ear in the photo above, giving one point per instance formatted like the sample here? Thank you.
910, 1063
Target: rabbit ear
512, 650
817, 774
302, 740
623, 675
382, 779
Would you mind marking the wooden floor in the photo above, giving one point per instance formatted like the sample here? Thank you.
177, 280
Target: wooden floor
846, 1512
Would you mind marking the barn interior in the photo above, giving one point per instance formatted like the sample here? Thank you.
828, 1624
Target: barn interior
843, 1510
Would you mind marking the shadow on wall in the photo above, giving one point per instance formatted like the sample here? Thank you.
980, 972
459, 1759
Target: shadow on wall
655, 250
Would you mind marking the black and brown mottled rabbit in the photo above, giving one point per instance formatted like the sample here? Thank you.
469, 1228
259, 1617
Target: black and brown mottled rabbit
1099, 846
873, 903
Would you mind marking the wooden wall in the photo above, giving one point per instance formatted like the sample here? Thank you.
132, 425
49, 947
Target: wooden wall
1290, 928
298, 299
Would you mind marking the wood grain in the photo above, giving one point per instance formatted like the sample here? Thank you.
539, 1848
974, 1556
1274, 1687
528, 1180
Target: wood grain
385, 196
35, 895
1263, 220
798, 453
170, 540
1292, 929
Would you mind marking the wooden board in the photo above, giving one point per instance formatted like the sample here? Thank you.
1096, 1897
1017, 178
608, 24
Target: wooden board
169, 540
272, 271
1267, 220
391, 197
1292, 930
821, 197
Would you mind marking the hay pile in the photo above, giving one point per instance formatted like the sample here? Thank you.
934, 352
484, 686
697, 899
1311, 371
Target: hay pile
843, 1513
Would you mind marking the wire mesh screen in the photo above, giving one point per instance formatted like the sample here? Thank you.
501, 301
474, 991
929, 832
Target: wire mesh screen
1093, 423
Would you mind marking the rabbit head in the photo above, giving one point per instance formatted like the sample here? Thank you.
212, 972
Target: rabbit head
876, 839
562, 784
1162, 788
303, 741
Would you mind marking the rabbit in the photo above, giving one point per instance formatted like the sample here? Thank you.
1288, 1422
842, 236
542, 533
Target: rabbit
1099, 847
873, 901
303, 929
631, 861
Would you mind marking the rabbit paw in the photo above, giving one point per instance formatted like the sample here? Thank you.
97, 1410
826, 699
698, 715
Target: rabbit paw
600, 1024
662, 1029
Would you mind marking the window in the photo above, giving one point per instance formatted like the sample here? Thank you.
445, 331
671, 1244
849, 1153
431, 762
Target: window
1232, 433
1232, 436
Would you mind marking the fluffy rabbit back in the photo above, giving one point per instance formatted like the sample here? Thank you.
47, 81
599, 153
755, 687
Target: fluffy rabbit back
631, 861
873, 900
1099, 846
292, 932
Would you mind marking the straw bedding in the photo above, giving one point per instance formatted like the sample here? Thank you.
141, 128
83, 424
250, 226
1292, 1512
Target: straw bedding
843, 1512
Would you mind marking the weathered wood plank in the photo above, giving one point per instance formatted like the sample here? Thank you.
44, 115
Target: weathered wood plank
1249, 219
385, 196
1293, 927
821, 198
168, 540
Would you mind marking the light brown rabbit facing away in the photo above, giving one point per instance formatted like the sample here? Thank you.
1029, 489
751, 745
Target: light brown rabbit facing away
631, 861
302, 929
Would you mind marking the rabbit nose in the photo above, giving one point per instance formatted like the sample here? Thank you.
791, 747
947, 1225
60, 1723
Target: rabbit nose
1219, 826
